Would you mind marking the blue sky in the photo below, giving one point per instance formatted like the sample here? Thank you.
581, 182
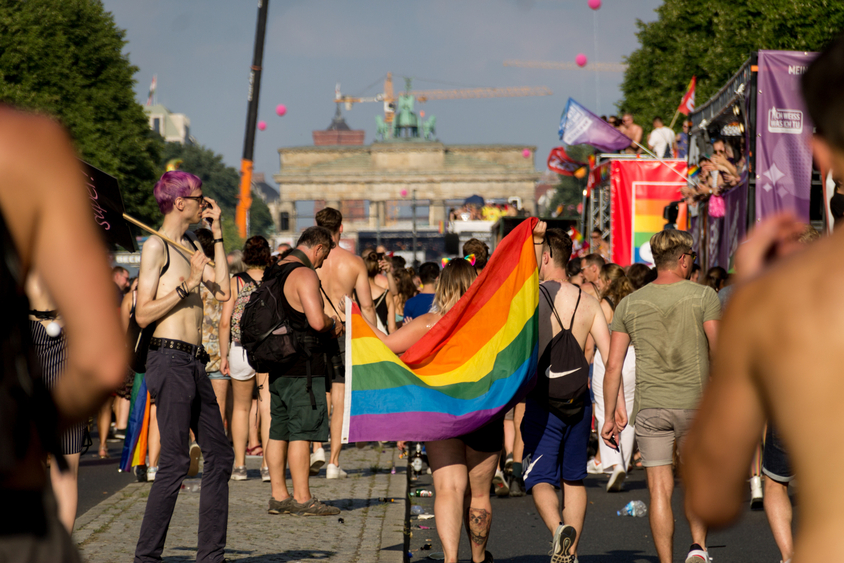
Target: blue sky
201, 51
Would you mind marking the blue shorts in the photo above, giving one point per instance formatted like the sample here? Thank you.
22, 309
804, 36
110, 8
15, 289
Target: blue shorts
775, 463
218, 375
555, 451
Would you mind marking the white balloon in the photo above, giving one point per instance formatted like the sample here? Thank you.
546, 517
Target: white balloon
54, 329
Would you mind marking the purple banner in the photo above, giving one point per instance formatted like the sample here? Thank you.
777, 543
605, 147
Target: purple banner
578, 126
783, 127
733, 225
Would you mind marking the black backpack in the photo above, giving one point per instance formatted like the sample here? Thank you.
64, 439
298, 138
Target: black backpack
563, 374
266, 332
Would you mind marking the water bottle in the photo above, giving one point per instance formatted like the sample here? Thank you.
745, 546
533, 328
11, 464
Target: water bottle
416, 463
416, 510
634, 508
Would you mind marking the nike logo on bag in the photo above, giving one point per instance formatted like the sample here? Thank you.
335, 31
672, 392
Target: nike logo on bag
553, 375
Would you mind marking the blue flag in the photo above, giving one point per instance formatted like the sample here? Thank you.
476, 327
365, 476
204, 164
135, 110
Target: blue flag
578, 126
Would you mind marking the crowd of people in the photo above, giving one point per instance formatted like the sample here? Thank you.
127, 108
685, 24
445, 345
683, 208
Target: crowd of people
648, 334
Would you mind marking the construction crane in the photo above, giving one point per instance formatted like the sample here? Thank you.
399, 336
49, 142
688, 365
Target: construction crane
389, 98
599, 67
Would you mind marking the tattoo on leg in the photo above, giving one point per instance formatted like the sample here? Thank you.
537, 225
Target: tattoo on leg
479, 522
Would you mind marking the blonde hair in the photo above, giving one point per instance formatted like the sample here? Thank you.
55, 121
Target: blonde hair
617, 286
667, 246
454, 280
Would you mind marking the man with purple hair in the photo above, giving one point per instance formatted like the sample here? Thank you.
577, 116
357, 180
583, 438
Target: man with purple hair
168, 297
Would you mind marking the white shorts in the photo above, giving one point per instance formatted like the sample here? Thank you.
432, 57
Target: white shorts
238, 364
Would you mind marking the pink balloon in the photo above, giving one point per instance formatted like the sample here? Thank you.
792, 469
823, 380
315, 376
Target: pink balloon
526, 153
262, 125
580, 60
281, 109
594, 4
404, 193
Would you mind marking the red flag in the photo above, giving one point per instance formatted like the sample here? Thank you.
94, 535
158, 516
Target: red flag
687, 106
561, 163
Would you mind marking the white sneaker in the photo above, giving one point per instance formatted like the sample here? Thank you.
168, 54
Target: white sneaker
616, 479
499, 484
334, 472
317, 461
594, 467
697, 555
151, 473
756, 499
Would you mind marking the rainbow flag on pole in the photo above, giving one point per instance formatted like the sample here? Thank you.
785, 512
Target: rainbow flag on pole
137, 431
472, 366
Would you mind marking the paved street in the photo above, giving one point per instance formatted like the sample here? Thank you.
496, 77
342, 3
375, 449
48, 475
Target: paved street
366, 529
519, 535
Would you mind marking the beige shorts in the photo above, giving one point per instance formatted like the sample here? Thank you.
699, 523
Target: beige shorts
657, 430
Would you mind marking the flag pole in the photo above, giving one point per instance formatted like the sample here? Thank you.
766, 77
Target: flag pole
673, 119
149, 229
661, 161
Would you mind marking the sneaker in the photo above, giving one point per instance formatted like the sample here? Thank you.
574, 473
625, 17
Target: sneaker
239, 473
697, 554
488, 558
140, 473
563, 540
616, 479
151, 473
119, 433
334, 472
195, 454
756, 499
499, 484
508, 465
594, 467
313, 508
517, 487
317, 461
265, 474
281, 506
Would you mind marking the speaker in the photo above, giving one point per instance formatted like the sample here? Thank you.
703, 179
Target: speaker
452, 243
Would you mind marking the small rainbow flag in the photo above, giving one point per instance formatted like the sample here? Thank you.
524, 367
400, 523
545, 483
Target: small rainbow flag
137, 431
472, 366
694, 171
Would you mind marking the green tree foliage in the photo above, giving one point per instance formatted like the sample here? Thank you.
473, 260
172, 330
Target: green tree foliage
711, 39
64, 58
222, 184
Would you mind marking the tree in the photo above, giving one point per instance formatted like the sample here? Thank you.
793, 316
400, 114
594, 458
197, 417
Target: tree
711, 39
221, 183
64, 57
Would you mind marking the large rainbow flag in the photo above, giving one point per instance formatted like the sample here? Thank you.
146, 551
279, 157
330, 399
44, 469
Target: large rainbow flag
473, 365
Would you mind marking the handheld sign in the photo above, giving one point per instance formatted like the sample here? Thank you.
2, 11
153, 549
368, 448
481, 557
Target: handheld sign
107, 207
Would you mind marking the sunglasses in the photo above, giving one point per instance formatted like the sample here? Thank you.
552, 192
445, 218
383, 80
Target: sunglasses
691, 253
198, 198
470, 259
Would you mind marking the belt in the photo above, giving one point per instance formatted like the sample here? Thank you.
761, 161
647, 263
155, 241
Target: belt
197, 351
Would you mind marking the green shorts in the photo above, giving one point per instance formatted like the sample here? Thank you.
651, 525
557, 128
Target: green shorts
292, 416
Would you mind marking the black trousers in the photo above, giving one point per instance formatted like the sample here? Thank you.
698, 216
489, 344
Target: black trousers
185, 400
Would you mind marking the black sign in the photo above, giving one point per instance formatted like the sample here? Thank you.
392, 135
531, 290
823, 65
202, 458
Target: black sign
107, 206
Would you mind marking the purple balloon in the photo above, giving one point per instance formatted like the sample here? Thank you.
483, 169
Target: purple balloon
580, 60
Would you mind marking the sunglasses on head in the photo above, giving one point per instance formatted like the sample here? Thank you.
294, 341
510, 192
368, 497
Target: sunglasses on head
470, 259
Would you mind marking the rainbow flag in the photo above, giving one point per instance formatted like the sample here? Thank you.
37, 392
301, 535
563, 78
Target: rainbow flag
472, 366
137, 431
694, 171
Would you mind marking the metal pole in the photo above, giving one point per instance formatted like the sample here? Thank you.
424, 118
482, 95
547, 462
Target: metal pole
245, 200
413, 210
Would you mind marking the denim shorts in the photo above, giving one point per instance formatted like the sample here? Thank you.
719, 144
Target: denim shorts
218, 375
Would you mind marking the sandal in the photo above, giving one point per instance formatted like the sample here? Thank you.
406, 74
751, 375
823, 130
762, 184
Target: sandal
256, 451
103, 454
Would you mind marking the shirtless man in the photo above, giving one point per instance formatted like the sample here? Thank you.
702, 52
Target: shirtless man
42, 195
632, 130
168, 295
342, 274
780, 357
556, 445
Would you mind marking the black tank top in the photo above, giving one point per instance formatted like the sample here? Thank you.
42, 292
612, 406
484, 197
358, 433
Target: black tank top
297, 366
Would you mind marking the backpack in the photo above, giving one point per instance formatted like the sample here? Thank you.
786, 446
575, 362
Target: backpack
563, 370
241, 299
266, 332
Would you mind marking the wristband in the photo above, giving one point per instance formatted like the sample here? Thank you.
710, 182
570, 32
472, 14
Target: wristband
216, 240
182, 291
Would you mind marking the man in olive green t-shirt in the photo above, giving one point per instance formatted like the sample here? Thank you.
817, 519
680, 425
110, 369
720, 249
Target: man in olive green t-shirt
672, 324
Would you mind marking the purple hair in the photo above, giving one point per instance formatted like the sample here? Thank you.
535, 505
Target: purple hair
174, 184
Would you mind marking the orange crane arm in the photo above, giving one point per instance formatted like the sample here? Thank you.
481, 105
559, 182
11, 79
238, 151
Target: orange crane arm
600, 67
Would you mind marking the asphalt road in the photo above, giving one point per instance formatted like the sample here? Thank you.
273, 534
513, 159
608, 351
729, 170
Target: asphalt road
519, 536
99, 478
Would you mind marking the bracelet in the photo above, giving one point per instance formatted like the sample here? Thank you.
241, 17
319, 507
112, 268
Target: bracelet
538, 243
182, 291
216, 240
